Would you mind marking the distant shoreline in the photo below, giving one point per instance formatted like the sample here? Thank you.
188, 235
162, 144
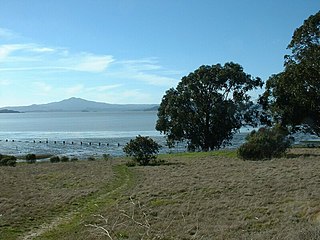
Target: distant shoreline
8, 111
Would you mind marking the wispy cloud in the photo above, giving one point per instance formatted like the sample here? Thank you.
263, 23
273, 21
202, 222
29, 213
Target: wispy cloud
43, 87
81, 88
7, 34
74, 90
92, 63
147, 70
58, 59
43, 49
33, 57
155, 79
145, 64
7, 49
104, 88
137, 94
122, 96
58, 72
5, 82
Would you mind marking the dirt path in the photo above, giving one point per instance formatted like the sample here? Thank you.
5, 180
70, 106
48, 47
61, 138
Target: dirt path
121, 181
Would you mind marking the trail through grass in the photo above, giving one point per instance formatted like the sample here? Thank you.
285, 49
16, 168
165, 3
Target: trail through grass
74, 221
212, 195
36, 198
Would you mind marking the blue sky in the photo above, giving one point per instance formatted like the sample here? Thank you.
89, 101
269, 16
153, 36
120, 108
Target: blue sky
132, 51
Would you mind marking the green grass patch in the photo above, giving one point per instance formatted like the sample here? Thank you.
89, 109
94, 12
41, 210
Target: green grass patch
162, 202
73, 226
217, 153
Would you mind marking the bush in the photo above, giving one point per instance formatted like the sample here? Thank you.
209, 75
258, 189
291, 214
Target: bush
106, 157
265, 143
64, 159
131, 163
31, 158
55, 159
91, 159
6, 160
74, 159
142, 149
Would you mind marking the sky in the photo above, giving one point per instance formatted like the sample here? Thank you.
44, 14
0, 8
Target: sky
132, 51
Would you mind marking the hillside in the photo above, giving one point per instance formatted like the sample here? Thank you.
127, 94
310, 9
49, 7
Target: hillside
77, 105
8, 111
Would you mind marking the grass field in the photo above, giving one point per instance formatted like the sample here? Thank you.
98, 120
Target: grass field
210, 195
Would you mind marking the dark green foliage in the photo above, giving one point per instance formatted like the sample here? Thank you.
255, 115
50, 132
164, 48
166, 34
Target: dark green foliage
31, 158
74, 159
106, 157
305, 43
208, 106
91, 158
131, 163
142, 149
265, 143
55, 159
64, 159
292, 97
6, 160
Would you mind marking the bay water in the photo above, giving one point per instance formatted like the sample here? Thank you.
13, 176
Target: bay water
80, 134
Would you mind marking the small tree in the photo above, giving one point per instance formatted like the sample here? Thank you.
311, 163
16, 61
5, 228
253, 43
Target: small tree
31, 158
265, 143
91, 158
142, 149
74, 159
55, 159
8, 160
64, 159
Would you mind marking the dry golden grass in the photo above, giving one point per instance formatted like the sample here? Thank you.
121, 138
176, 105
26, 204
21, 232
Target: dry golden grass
194, 196
32, 194
216, 197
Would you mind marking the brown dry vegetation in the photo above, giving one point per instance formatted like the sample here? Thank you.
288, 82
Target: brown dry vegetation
32, 194
194, 196
216, 197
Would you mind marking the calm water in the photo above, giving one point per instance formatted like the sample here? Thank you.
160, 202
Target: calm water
79, 134
78, 122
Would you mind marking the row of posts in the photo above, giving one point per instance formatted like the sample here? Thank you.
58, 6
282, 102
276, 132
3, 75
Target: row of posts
64, 142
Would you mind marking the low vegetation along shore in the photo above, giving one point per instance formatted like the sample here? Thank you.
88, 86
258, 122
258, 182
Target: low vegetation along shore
212, 195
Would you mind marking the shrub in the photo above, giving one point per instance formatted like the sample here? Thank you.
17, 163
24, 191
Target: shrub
265, 143
31, 158
142, 149
74, 159
55, 159
64, 159
91, 158
6, 160
106, 157
131, 163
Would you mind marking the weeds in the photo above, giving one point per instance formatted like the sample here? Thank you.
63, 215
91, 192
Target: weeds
137, 217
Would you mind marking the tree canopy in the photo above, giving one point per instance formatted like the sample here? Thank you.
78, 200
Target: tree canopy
292, 97
142, 149
208, 106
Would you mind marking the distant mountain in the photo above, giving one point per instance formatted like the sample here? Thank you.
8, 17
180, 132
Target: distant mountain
81, 105
8, 111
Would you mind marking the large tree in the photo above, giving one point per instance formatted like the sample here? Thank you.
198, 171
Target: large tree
292, 97
208, 106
